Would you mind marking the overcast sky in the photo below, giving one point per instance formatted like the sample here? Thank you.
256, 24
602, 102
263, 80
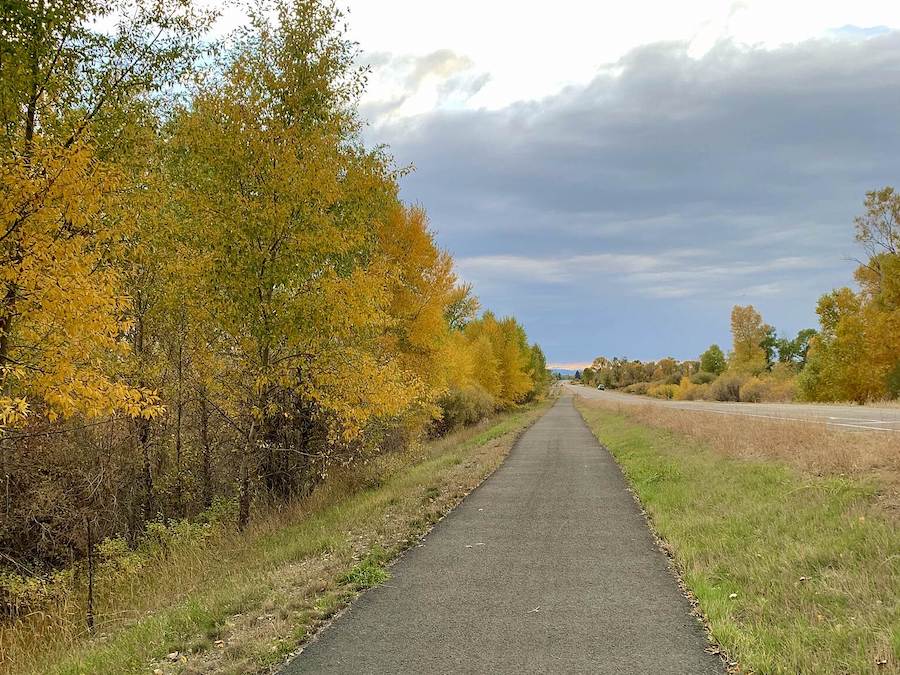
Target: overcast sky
618, 174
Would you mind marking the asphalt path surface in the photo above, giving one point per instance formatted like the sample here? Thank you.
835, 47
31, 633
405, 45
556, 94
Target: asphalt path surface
547, 567
850, 417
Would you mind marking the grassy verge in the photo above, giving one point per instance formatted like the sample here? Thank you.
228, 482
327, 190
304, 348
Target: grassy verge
797, 571
243, 604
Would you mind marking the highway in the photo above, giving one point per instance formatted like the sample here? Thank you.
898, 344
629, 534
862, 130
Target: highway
850, 417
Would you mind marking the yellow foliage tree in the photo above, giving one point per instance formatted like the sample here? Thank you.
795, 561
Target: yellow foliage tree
422, 287
748, 333
282, 202
856, 355
63, 86
502, 358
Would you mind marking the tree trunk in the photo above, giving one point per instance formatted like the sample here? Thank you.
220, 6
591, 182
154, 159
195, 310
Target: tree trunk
6, 315
4, 473
31, 106
90, 576
244, 502
142, 426
179, 408
143, 434
206, 457
9, 298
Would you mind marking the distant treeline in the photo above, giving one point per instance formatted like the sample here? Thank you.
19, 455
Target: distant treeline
853, 356
210, 292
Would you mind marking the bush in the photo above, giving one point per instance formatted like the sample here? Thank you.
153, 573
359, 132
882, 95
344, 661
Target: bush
699, 392
398, 434
752, 391
703, 377
689, 391
20, 595
463, 407
893, 382
727, 388
666, 391
637, 388
770, 389
117, 562
222, 511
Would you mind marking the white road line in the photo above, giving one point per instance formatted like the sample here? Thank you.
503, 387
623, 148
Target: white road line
814, 420
861, 426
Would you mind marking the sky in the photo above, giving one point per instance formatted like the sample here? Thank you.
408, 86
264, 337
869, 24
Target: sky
617, 175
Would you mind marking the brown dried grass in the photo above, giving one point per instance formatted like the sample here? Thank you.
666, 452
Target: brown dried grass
811, 447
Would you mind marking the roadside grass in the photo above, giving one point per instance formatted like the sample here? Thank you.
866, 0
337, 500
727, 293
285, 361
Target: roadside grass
239, 604
367, 573
812, 448
796, 571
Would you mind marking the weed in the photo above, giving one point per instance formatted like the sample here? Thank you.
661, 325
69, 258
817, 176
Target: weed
368, 573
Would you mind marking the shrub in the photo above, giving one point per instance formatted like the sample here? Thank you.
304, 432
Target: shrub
637, 388
703, 377
752, 391
769, 389
463, 407
118, 559
727, 388
689, 391
699, 392
222, 511
663, 391
398, 434
20, 595
893, 382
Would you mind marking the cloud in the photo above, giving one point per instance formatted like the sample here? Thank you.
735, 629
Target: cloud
695, 182
850, 32
652, 276
405, 84
440, 64
491, 268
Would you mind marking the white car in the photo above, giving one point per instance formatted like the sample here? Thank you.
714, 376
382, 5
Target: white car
600, 387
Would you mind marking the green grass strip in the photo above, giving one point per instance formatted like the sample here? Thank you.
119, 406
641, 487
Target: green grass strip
796, 574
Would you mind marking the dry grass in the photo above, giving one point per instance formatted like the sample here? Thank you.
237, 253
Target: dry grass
241, 604
812, 448
779, 530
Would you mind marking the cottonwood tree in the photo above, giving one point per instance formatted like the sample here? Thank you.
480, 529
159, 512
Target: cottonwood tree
282, 201
749, 335
856, 355
63, 88
713, 360
211, 265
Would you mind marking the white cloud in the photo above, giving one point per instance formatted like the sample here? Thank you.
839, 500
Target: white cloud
532, 50
488, 268
662, 275
404, 85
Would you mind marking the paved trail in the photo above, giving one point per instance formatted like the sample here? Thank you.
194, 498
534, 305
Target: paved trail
849, 417
547, 567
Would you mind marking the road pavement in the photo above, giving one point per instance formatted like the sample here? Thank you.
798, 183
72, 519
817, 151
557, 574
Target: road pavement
851, 417
547, 567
